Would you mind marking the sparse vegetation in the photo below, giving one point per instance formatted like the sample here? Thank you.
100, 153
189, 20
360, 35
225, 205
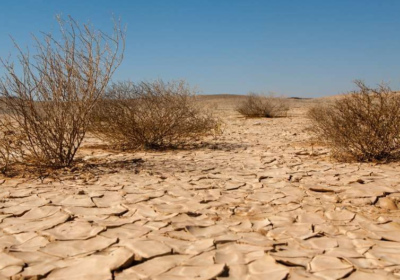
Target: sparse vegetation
363, 125
151, 115
48, 106
263, 106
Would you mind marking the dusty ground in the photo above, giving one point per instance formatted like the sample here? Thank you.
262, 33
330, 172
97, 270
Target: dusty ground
258, 203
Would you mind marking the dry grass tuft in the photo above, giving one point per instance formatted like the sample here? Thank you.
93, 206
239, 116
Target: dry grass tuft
362, 126
151, 115
263, 106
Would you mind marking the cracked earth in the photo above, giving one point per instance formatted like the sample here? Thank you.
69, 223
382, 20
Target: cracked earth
260, 202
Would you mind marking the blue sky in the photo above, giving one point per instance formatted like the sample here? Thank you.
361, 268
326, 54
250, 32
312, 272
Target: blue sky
297, 48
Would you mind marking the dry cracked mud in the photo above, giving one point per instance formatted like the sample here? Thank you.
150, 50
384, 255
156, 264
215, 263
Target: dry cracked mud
259, 203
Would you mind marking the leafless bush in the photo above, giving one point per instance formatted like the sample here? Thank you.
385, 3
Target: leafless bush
49, 104
363, 125
263, 106
151, 115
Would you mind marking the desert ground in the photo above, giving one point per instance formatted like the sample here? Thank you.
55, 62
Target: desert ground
261, 201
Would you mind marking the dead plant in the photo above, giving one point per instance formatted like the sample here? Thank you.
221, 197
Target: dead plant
151, 115
263, 106
49, 104
362, 125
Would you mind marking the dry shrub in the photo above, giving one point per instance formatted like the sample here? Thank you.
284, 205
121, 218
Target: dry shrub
48, 106
263, 106
151, 115
362, 126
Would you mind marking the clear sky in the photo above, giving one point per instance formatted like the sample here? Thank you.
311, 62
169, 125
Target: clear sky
297, 48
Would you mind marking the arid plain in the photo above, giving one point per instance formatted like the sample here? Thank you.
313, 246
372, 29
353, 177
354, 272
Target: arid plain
261, 201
